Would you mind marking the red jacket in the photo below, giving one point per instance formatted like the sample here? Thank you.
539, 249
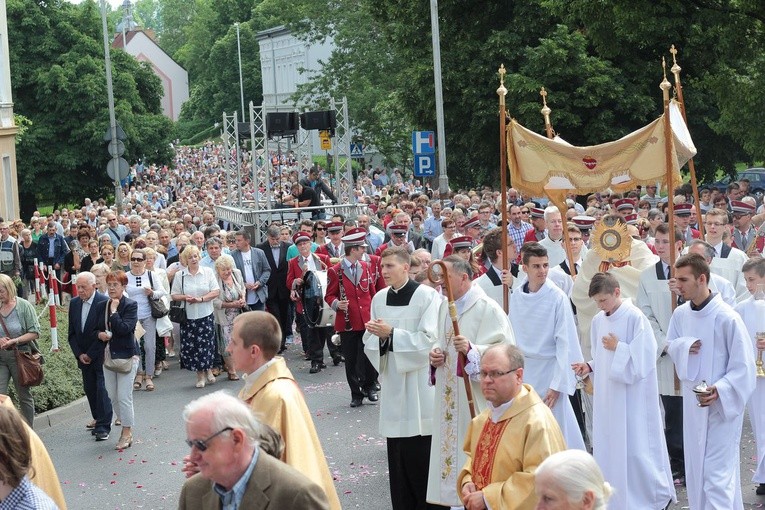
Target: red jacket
359, 297
376, 270
531, 235
324, 250
294, 272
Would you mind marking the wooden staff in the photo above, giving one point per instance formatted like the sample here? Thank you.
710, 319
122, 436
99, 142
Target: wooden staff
691, 165
665, 86
559, 199
502, 92
444, 280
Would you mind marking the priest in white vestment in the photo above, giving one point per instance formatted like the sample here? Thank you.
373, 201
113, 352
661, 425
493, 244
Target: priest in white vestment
752, 312
709, 344
627, 439
400, 334
482, 323
544, 328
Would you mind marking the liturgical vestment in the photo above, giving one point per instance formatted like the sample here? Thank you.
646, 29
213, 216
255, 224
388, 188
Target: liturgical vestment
544, 328
752, 312
502, 456
276, 399
711, 435
628, 433
484, 323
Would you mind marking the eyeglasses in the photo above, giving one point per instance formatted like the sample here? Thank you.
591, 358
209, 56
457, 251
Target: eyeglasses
231, 241
713, 224
320, 229
494, 374
136, 260
201, 444
575, 239
739, 216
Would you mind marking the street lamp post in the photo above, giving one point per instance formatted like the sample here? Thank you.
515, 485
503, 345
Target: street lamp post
241, 82
443, 179
112, 116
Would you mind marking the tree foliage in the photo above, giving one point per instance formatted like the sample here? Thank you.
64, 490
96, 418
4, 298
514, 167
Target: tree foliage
59, 85
599, 61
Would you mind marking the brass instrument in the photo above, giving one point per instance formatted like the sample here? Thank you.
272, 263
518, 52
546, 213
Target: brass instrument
751, 250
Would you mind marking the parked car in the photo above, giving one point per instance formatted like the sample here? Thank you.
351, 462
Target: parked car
756, 178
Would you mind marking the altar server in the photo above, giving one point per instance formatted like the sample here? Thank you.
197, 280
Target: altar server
709, 344
627, 439
544, 328
400, 334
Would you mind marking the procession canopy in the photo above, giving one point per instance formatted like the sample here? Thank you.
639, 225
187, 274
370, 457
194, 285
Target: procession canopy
553, 167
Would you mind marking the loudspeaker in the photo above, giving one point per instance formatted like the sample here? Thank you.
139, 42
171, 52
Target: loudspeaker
319, 120
281, 124
244, 130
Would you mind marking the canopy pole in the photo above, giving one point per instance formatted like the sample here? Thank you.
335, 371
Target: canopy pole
502, 92
691, 165
559, 199
665, 86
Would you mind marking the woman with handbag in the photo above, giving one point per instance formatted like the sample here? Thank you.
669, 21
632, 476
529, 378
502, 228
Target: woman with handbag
19, 328
164, 326
196, 287
228, 305
121, 353
142, 288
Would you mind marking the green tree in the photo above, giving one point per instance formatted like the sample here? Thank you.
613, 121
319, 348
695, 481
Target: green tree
59, 84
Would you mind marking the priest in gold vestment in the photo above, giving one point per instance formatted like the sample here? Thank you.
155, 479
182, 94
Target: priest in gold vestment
507, 441
272, 393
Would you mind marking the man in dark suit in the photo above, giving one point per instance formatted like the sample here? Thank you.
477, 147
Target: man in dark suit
229, 453
255, 270
86, 314
278, 298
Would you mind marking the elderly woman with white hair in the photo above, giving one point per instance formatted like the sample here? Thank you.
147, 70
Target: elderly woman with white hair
571, 480
228, 305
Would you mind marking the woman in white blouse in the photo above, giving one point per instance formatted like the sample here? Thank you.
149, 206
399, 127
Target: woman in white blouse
197, 286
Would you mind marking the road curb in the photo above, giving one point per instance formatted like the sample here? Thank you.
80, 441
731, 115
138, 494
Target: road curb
54, 417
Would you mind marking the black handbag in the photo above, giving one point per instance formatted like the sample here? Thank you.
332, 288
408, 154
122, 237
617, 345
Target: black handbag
158, 307
178, 309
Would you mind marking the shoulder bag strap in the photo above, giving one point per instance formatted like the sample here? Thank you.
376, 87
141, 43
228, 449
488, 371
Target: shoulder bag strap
5, 328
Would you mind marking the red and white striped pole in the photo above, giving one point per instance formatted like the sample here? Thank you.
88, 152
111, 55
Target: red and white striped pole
54, 285
53, 321
38, 298
40, 271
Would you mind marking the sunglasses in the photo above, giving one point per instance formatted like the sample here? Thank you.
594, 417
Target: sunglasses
136, 260
202, 444
320, 229
524, 212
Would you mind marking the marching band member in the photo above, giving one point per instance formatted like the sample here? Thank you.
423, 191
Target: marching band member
352, 302
315, 336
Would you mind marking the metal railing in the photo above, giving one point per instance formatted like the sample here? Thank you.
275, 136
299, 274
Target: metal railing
256, 221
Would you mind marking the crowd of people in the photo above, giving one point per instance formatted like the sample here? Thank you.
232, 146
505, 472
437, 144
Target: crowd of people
495, 365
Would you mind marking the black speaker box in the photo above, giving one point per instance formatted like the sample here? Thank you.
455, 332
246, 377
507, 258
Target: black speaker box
318, 120
281, 124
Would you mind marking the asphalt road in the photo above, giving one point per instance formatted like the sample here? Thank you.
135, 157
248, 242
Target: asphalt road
148, 476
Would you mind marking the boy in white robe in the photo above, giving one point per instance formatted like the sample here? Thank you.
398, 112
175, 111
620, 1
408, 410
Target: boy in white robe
398, 340
708, 343
482, 324
728, 261
544, 328
752, 312
627, 441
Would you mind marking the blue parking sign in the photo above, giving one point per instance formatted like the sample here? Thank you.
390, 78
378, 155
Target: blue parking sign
424, 165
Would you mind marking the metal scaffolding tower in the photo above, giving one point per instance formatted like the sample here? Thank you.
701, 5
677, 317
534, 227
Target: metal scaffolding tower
232, 154
342, 152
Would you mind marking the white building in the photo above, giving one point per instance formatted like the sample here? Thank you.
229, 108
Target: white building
175, 79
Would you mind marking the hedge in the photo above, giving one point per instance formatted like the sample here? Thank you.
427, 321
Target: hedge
63, 380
